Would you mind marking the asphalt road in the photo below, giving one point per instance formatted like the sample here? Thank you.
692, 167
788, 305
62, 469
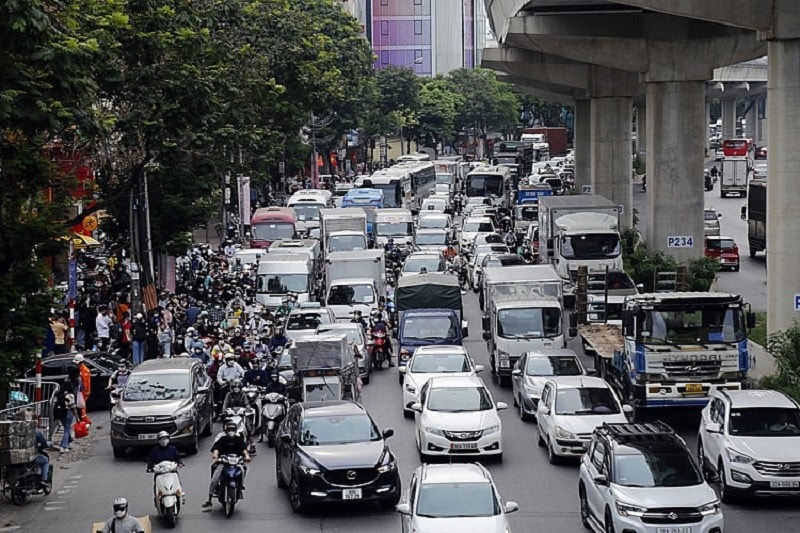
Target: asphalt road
546, 494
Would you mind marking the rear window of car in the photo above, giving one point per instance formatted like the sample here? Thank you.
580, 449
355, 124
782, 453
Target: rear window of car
721, 244
710, 215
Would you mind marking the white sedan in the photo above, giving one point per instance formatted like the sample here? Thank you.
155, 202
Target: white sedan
568, 411
431, 361
457, 416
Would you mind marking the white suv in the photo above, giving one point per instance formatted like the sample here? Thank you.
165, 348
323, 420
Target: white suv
642, 478
749, 440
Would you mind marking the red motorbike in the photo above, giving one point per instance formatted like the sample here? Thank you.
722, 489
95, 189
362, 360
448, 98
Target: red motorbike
380, 349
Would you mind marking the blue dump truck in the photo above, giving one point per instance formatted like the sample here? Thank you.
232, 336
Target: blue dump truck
429, 313
526, 205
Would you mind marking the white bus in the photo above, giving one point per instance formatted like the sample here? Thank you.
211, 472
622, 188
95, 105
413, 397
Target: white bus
395, 185
489, 182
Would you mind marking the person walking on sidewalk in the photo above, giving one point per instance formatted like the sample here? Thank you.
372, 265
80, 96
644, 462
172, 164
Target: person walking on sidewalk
65, 410
139, 334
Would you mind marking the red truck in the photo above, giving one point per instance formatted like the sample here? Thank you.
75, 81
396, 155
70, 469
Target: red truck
555, 137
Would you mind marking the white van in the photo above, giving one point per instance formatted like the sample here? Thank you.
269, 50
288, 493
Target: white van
307, 203
280, 274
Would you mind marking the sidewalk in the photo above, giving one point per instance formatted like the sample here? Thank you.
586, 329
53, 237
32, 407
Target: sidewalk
762, 363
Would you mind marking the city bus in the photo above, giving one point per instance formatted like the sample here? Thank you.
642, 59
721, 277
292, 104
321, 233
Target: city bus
393, 185
423, 181
363, 197
736, 147
270, 224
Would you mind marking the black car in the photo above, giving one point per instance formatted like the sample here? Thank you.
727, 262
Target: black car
101, 365
329, 452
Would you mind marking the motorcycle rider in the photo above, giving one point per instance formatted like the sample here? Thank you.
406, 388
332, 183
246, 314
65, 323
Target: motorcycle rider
236, 397
119, 377
275, 384
257, 375
230, 371
379, 325
279, 338
219, 350
238, 338
227, 444
450, 252
121, 522
256, 323
163, 452
358, 319
42, 459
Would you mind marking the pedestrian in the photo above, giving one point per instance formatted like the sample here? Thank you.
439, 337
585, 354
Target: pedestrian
103, 324
60, 329
85, 384
65, 409
139, 336
125, 335
165, 339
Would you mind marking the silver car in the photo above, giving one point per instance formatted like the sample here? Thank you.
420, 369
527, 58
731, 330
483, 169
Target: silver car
533, 369
711, 222
172, 395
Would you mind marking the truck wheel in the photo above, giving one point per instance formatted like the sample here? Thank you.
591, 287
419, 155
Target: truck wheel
753, 252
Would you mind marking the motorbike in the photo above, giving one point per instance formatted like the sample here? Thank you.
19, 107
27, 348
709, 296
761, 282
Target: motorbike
21, 481
253, 394
240, 416
379, 349
273, 411
168, 495
229, 490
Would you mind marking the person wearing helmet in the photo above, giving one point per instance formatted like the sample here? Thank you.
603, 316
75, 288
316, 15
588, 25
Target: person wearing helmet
119, 377
164, 451
379, 325
189, 338
121, 522
279, 338
236, 397
450, 252
276, 385
258, 375
229, 443
238, 338
230, 371
219, 350
358, 319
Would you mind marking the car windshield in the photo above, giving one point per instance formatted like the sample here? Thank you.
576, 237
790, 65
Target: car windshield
439, 363
307, 211
346, 243
721, 244
505, 260
282, 283
484, 185
353, 334
351, 294
586, 401
529, 322
414, 264
395, 229
450, 500
527, 212
150, 387
432, 238
553, 365
303, 321
344, 429
644, 466
477, 227
446, 179
433, 222
459, 399
692, 326
272, 231
710, 215
432, 329
590, 246
765, 422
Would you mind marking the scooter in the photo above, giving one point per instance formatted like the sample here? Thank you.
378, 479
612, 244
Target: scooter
275, 407
23, 480
231, 482
239, 416
379, 348
168, 495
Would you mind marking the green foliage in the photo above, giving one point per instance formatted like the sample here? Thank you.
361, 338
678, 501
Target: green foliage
489, 104
759, 333
643, 265
785, 348
639, 165
439, 106
701, 272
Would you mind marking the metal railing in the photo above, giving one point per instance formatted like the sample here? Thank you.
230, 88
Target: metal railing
21, 404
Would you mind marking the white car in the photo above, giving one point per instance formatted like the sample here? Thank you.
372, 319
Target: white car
760, 171
431, 262
434, 220
641, 478
531, 372
569, 409
474, 271
453, 498
306, 319
457, 416
434, 240
749, 440
431, 361
436, 204
471, 227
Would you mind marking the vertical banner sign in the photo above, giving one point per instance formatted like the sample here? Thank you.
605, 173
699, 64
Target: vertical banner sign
244, 199
169, 277
72, 267
384, 150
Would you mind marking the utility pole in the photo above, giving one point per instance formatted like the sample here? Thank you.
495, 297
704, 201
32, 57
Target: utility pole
133, 216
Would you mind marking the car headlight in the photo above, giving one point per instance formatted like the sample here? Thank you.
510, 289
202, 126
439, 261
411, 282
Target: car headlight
491, 430
391, 467
410, 388
709, 508
626, 509
433, 431
735, 456
186, 414
533, 390
119, 418
307, 470
503, 359
562, 433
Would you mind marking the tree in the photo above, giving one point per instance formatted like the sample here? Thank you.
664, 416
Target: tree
439, 107
395, 102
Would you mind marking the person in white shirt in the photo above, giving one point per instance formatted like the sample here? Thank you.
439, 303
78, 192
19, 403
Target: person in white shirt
103, 324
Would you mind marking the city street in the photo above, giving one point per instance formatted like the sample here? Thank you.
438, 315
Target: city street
546, 494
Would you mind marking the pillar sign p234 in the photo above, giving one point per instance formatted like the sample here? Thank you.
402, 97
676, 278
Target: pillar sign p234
680, 241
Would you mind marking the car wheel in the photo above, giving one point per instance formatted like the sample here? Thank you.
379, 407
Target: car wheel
365, 379
390, 503
727, 494
522, 414
119, 451
296, 501
400, 378
609, 523
278, 476
736, 268
195, 445
407, 413
208, 428
539, 440
584, 506
701, 460
552, 457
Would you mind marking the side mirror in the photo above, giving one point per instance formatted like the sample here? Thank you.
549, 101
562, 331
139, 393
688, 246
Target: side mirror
627, 409
743, 213
516, 372
403, 508
486, 322
713, 427
601, 480
388, 432
593, 372
501, 405
511, 507
416, 407
751, 320
478, 368
719, 215
544, 409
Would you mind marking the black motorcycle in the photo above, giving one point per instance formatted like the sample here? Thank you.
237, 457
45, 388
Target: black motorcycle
231, 482
23, 480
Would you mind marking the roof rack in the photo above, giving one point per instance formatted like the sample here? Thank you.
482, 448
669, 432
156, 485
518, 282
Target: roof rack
638, 432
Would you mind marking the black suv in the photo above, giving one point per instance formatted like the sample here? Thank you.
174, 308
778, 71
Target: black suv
642, 477
334, 452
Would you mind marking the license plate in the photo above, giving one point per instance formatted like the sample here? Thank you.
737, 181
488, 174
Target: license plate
148, 436
693, 387
463, 445
351, 494
677, 529
784, 484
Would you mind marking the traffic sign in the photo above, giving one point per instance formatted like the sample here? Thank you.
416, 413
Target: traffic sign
680, 241
797, 302
90, 223
586, 189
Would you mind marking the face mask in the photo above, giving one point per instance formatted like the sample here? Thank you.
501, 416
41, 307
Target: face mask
230, 433
163, 442
120, 514
237, 390
229, 363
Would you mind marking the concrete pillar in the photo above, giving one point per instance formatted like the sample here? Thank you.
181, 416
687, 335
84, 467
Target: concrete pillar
641, 129
729, 118
761, 136
675, 129
583, 143
611, 152
783, 192
707, 136
750, 119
